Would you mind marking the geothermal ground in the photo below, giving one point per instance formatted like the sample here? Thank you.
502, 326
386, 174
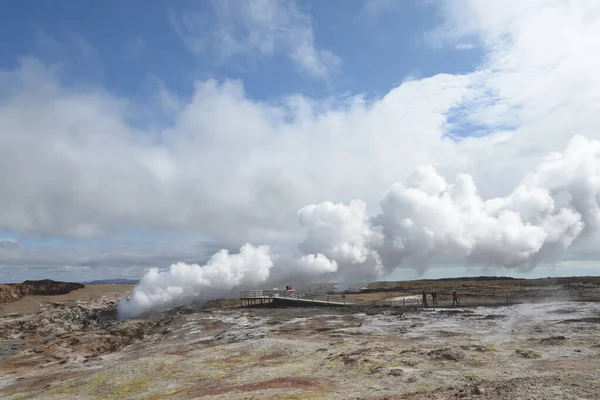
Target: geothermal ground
546, 347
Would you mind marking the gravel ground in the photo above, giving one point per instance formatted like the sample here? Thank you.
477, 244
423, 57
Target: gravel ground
527, 351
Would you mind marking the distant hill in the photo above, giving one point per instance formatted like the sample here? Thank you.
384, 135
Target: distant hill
45, 287
113, 282
474, 278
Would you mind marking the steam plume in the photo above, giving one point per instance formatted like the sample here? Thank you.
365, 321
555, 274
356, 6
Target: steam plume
186, 283
425, 218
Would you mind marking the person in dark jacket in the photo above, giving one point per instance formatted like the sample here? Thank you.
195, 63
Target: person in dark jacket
434, 298
424, 304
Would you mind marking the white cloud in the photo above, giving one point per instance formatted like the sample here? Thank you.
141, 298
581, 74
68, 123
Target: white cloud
538, 73
73, 166
252, 28
236, 169
465, 46
374, 8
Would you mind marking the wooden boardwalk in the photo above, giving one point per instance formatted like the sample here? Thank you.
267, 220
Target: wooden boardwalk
291, 298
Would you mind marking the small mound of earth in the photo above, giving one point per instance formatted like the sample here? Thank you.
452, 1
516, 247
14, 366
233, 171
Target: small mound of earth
553, 340
444, 333
528, 353
447, 354
494, 316
479, 348
396, 372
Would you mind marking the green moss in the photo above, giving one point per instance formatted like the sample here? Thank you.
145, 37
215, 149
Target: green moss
471, 377
423, 388
168, 395
62, 391
373, 368
136, 386
299, 396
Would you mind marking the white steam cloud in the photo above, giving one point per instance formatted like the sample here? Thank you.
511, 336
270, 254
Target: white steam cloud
317, 264
423, 219
185, 283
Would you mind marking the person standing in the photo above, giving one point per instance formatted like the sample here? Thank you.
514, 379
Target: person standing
424, 303
455, 298
434, 298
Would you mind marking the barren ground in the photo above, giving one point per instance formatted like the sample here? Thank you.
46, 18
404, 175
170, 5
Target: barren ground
547, 347
32, 304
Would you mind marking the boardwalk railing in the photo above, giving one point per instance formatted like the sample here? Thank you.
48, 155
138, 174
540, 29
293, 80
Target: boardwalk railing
249, 297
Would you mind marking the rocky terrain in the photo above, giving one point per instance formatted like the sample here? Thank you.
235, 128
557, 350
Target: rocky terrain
378, 349
45, 287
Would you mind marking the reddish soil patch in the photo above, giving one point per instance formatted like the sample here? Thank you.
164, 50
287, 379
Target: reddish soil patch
278, 383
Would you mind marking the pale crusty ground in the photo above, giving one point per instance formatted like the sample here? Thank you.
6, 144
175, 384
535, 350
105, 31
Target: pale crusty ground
528, 351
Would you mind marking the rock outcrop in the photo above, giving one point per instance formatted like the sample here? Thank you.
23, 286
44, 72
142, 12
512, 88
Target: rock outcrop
44, 287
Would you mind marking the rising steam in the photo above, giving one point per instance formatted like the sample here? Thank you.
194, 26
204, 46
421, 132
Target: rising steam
186, 283
425, 218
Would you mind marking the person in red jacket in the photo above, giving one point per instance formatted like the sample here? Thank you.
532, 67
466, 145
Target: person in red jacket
455, 298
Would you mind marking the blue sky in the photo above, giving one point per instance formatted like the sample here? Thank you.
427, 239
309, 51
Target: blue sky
141, 133
126, 46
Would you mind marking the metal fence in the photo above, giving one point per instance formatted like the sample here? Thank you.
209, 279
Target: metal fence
445, 301
401, 300
265, 296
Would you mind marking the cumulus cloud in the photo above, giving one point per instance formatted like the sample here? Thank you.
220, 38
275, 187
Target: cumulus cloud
250, 28
73, 164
